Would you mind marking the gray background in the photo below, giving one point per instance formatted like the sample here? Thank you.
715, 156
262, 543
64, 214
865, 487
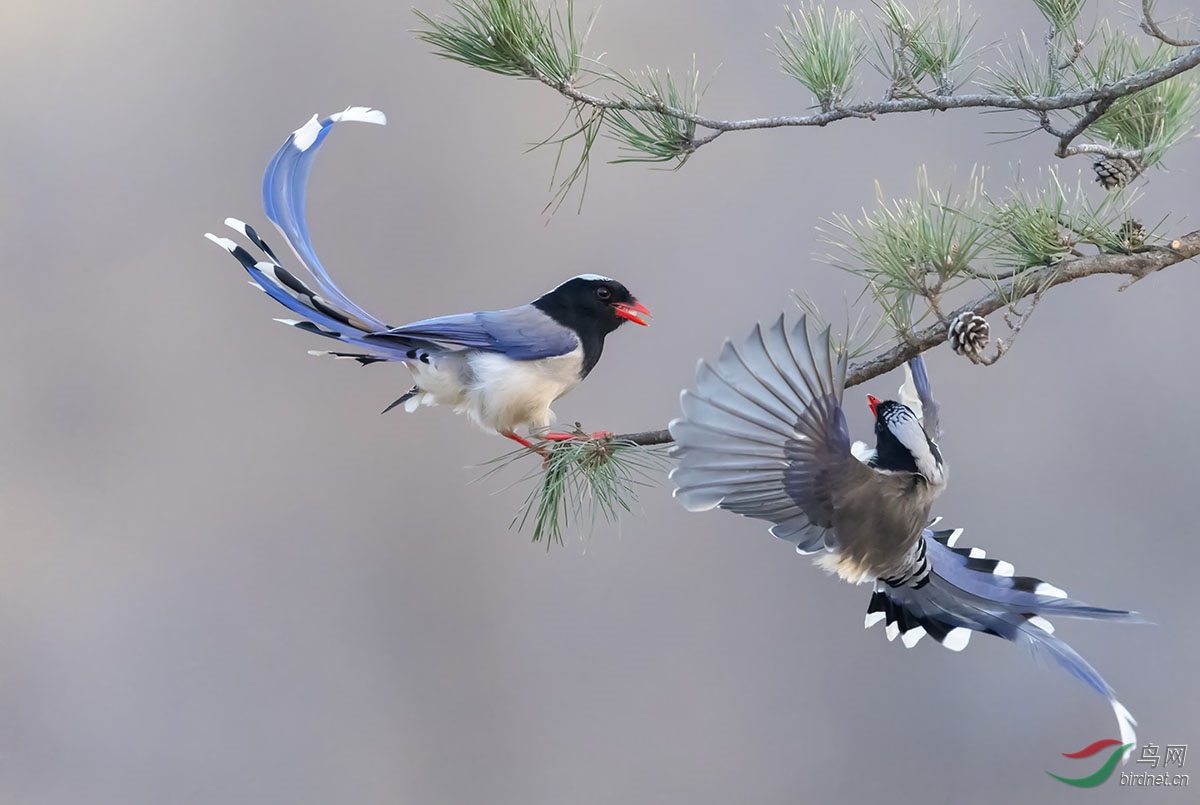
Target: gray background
225, 578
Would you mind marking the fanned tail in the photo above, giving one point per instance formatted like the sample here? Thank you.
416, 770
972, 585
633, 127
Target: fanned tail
966, 592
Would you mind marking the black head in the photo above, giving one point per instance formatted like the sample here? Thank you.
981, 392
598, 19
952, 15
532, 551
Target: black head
592, 306
901, 444
592, 302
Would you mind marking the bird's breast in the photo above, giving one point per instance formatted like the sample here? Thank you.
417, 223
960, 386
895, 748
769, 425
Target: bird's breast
506, 394
876, 522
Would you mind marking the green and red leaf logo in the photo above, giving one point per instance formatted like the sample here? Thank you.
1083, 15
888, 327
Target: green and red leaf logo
1101, 774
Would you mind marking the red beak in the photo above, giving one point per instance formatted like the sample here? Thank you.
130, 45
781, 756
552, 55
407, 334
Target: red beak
631, 311
871, 401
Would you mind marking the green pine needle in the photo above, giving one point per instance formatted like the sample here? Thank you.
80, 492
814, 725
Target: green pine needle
1062, 14
583, 480
910, 249
857, 340
1020, 72
822, 52
649, 136
1044, 228
586, 124
939, 49
910, 49
1150, 121
509, 37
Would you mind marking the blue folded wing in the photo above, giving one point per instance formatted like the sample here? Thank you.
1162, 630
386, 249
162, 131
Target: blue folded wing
522, 333
283, 197
930, 408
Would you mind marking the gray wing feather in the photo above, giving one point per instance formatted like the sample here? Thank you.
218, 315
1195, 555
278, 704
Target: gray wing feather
763, 433
522, 333
728, 418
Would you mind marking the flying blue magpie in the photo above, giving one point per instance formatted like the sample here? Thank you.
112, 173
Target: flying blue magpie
764, 435
503, 368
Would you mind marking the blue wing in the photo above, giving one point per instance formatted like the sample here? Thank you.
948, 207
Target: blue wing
283, 197
522, 333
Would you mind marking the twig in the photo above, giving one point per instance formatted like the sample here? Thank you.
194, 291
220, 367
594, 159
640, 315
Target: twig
1151, 27
1129, 155
1136, 266
1088, 118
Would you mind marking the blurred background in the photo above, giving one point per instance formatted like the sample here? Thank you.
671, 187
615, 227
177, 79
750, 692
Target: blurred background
224, 577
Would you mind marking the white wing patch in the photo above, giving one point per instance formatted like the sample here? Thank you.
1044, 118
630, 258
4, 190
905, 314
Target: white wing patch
909, 432
862, 452
908, 394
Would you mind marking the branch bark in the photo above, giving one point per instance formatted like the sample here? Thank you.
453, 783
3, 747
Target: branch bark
1136, 266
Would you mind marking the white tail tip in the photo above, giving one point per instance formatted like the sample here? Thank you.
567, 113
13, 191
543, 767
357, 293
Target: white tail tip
957, 638
225, 243
360, 114
1126, 722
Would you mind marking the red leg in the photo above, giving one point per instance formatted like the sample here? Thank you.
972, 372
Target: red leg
521, 440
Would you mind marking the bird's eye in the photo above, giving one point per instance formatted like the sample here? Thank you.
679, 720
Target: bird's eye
603, 293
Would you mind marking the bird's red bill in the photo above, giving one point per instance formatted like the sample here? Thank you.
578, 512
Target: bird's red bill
631, 311
874, 403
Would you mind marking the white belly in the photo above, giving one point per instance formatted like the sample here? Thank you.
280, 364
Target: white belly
505, 394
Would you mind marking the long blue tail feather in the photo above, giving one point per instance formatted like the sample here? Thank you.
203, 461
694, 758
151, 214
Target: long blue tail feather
966, 593
284, 185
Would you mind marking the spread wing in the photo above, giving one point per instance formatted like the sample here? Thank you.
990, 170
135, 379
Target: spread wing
522, 333
763, 434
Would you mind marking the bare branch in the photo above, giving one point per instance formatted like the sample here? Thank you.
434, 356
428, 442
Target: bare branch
1129, 155
1153, 29
1087, 119
1035, 282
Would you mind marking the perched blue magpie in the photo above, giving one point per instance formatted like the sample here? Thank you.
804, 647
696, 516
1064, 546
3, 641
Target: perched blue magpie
503, 368
764, 435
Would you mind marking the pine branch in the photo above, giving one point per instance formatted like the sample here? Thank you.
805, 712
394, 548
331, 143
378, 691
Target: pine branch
870, 110
1136, 266
658, 120
468, 41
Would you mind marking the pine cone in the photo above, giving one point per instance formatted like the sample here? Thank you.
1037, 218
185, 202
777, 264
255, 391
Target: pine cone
1133, 235
1114, 173
969, 334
